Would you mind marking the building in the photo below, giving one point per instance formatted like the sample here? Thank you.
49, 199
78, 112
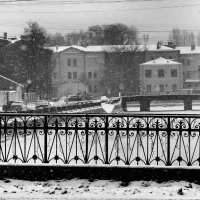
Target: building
77, 69
153, 51
102, 70
13, 91
161, 76
190, 58
18, 63
122, 66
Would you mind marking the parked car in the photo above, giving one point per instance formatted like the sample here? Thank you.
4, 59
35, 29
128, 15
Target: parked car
58, 102
72, 99
14, 106
42, 104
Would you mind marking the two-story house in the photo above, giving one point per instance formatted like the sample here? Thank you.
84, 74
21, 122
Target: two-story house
161, 76
190, 58
77, 69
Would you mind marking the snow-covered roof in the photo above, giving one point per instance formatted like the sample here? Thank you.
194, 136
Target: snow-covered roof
192, 81
153, 47
111, 48
57, 49
99, 48
188, 50
161, 61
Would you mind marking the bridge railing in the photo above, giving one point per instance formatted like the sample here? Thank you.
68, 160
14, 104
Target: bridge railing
115, 139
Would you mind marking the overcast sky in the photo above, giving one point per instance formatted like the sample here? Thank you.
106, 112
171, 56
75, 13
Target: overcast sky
155, 17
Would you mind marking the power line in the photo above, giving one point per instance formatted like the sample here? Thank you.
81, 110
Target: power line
121, 10
117, 10
74, 2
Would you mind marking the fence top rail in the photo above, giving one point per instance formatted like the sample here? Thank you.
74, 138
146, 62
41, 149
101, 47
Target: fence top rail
99, 115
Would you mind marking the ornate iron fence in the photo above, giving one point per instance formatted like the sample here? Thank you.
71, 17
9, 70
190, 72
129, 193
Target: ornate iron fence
100, 139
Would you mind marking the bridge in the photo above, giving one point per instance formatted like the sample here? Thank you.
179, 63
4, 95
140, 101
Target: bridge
145, 100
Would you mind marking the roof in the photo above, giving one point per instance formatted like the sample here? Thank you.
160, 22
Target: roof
111, 48
161, 61
192, 81
187, 50
57, 49
153, 47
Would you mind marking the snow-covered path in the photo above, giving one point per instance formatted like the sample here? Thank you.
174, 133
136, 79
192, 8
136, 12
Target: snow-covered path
77, 189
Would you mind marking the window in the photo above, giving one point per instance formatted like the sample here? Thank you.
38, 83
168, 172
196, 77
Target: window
89, 75
95, 75
69, 75
74, 62
174, 73
92, 61
174, 88
74, 75
161, 73
188, 74
161, 87
188, 62
148, 73
148, 88
69, 62
95, 89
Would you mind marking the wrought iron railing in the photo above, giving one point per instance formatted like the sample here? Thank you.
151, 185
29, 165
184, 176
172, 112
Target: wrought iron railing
100, 139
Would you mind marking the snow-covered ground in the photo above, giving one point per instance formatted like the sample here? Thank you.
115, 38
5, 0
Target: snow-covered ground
97, 189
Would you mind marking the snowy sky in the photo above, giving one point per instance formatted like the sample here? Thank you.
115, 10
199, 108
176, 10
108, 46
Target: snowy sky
155, 17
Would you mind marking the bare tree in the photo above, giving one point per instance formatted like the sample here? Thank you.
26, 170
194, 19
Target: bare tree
182, 37
198, 39
56, 39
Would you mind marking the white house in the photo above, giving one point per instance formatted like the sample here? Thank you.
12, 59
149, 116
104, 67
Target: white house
161, 76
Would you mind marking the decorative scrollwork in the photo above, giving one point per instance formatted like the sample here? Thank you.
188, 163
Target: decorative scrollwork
131, 133
34, 122
118, 122
83, 137
111, 133
152, 134
157, 123
76, 122
143, 133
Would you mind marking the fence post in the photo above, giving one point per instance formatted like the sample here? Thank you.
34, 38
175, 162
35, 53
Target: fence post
45, 138
168, 141
124, 104
106, 140
86, 138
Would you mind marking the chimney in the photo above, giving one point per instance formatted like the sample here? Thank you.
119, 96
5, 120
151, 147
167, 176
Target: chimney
5, 36
192, 47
